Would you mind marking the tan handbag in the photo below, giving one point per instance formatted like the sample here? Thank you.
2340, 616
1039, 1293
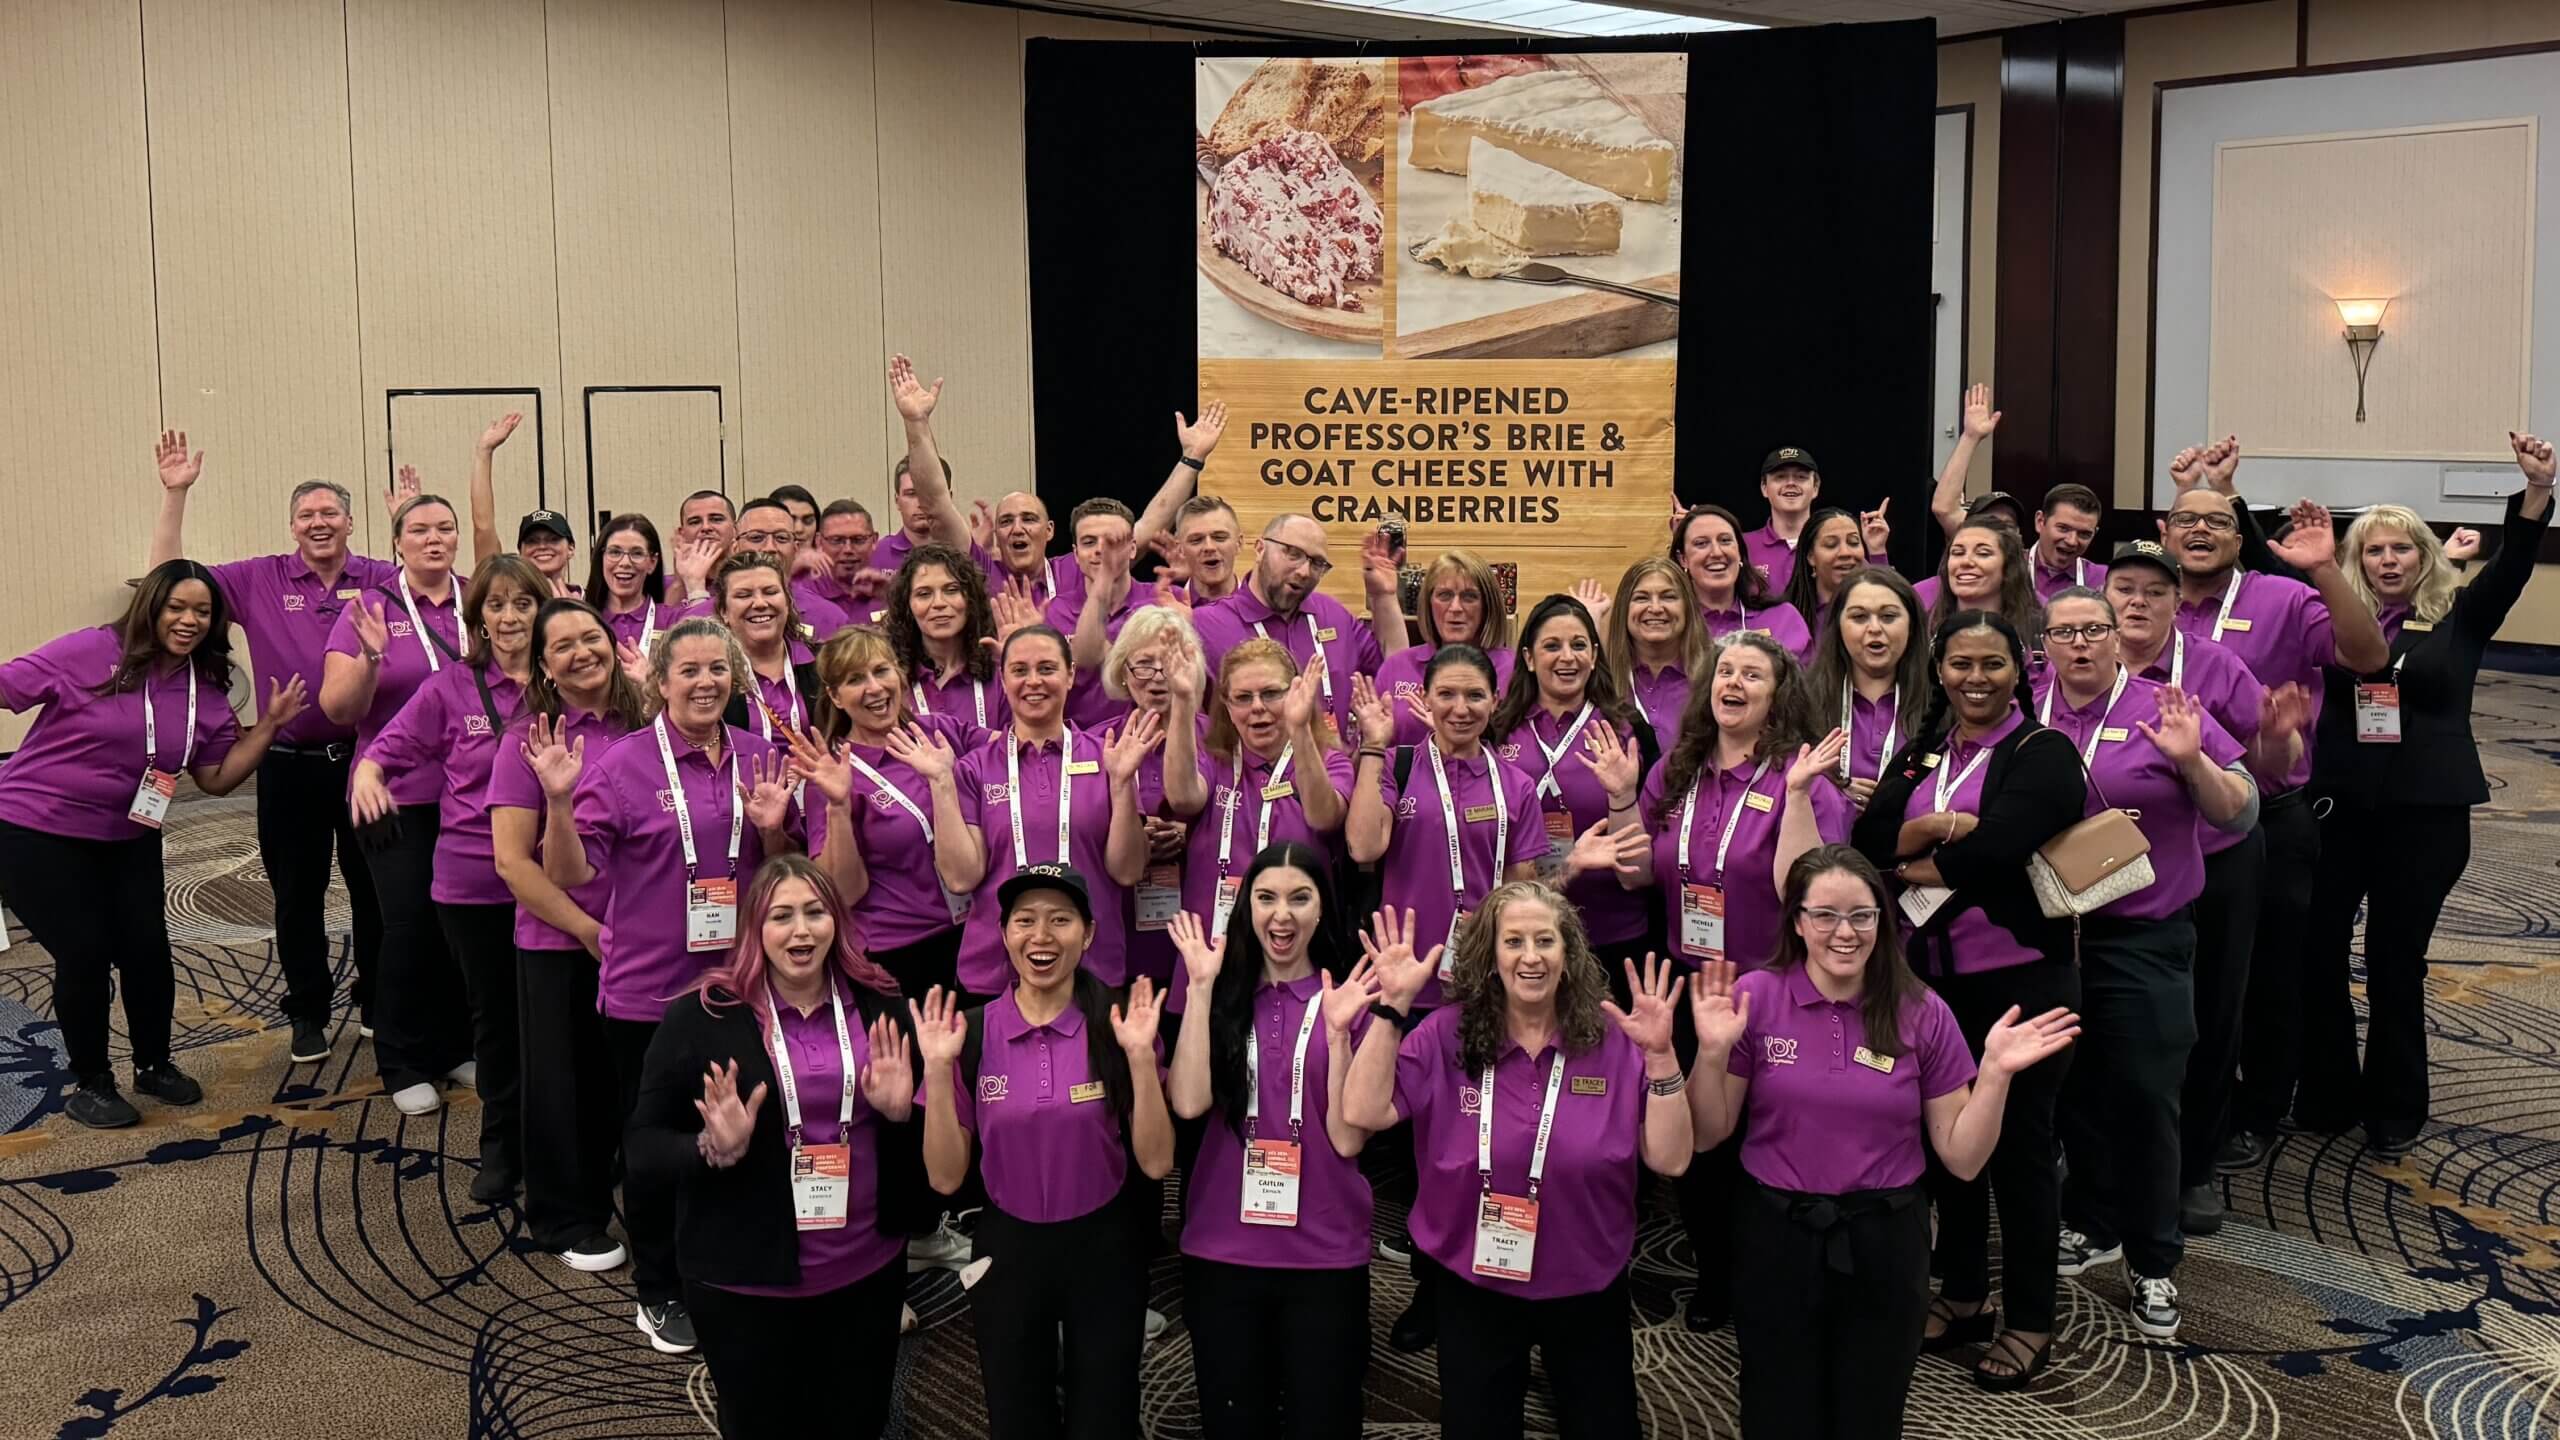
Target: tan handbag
2093, 864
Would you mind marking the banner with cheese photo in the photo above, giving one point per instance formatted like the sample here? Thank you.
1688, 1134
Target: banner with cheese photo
1445, 290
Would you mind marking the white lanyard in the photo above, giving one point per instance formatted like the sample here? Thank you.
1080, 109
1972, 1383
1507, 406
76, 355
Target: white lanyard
1849, 727
924, 706
1013, 792
923, 820
186, 757
1235, 793
2177, 656
1732, 818
1297, 1074
648, 626
1449, 818
684, 808
2079, 567
1561, 749
1315, 647
2088, 752
2230, 597
1546, 1125
1949, 782
791, 684
791, 1087
420, 626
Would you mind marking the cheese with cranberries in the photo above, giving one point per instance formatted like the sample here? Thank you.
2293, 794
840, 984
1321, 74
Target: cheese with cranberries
1288, 211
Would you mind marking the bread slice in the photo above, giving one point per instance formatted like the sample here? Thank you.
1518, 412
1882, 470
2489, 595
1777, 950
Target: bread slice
1345, 101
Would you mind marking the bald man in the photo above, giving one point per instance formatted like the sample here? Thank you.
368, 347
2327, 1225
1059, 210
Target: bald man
1020, 551
1280, 601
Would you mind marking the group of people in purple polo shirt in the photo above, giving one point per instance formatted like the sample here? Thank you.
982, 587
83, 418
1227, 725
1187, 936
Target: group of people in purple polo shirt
813, 887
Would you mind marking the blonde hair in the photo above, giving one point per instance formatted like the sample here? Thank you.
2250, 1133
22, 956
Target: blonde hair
1147, 628
1495, 633
700, 627
1223, 738
2432, 596
849, 654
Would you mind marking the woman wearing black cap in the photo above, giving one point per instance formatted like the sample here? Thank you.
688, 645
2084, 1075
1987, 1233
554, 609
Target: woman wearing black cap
544, 537
1060, 1088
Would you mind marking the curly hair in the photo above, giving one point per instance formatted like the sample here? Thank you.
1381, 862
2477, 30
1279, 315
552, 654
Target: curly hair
900, 620
1475, 980
1789, 725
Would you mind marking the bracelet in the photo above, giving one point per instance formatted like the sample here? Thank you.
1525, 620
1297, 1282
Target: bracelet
1187, 460
1380, 1009
1668, 1086
1370, 752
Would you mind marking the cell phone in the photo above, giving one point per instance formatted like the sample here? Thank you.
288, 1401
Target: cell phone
1394, 531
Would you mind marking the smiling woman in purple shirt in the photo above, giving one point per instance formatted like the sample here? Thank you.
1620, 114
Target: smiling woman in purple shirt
779, 1103
1852, 1074
1733, 595
937, 618
1535, 1100
1868, 657
627, 582
82, 802
1461, 605
1156, 651
757, 605
1055, 1088
1835, 547
1657, 641
1985, 568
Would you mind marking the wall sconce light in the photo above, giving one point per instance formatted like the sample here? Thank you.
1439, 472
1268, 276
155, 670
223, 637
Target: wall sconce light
2364, 331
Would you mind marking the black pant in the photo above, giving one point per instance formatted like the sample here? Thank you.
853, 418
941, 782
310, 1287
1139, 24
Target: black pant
2226, 934
934, 960
1587, 1341
2120, 1104
805, 1365
2020, 1172
1834, 1295
302, 813
648, 1205
572, 1114
2401, 863
97, 907
1088, 1275
2271, 1018
483, 939
1277, 1353
421, 1013
1706, 1192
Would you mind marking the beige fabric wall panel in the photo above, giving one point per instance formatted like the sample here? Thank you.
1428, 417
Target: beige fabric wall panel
437, 433
255, 231
82, 401
806, 157
648, 268
654, 449
2344, 30
957, 296
2440, 217
450, 125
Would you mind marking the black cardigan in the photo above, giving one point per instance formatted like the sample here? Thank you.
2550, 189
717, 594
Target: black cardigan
2030, 793
2436, 762
735, 1226
803, 675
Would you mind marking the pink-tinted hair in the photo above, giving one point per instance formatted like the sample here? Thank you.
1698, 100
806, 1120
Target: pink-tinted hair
742, 974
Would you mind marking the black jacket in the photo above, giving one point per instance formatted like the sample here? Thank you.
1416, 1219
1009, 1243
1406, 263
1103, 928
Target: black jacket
804, 676
2436, 762
2030, 793
735, 1226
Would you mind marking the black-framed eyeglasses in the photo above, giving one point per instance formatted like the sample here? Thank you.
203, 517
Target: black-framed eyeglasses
1296, 556
2219, 524
2094, 631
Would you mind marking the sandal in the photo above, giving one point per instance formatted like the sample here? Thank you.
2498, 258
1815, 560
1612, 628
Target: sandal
2026, 1362
1961, 1329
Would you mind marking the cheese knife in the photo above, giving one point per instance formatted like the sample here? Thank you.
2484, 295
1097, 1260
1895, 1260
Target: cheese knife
1538, 272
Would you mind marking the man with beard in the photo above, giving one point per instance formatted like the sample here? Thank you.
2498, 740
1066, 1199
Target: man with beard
1280, 601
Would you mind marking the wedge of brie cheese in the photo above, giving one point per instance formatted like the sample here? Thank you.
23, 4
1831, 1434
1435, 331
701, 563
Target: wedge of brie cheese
1461, 249
1555, 117
1538, 210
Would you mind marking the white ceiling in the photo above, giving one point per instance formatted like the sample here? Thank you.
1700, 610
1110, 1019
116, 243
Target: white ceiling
1479, 19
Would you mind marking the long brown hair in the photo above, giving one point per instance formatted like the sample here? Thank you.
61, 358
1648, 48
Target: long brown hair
1890, 989
514, 570
138, 633
1789, 725
1913, 682
907, 639
846, 655
1475, 981
1696, 647
625, 704
1599, 687
2018, 604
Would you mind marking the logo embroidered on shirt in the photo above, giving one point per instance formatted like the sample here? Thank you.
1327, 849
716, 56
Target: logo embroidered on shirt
667, 801
1777, 1050
990, 1088
1469, 1099
475, 725
293, 604
400, 630
995, 792
1407, 807
883, 801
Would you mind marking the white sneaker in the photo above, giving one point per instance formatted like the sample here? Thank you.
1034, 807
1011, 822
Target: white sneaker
946, 1248
1394, 1254
907, 1320
422, 1098
1155, 1324
466, 1073
2154, 1303
594, 1255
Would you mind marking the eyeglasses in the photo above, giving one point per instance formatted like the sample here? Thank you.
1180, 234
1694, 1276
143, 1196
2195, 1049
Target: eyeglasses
1863, 918
1146, 669
1296, 556
1271, 698
2091, 632
765, 539
616, 552
2189, 519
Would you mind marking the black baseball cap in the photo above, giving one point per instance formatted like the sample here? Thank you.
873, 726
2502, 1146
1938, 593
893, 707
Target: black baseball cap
2144, 552
551, 521
1788, 455
1998, 499
1061, 878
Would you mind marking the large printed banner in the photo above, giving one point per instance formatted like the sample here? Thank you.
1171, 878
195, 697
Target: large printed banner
1445, 290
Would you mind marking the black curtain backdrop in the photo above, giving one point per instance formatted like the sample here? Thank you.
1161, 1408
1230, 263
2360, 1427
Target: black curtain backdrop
1804, 261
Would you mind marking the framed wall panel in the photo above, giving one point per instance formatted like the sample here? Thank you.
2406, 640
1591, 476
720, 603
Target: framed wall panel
437, 431
648, 447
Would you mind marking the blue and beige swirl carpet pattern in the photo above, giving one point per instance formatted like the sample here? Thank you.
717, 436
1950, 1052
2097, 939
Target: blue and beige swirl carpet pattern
294, 1258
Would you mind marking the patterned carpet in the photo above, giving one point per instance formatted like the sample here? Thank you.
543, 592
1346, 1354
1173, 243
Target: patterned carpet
295, 1258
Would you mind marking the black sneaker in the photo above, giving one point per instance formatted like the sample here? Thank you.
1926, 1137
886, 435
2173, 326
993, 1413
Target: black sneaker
168, 1084
1417, 1329
2245, 1150
2390, 1147
2200, 1210
310, 1042
2153, 1301
669, 1328
97, 1105
497, 1180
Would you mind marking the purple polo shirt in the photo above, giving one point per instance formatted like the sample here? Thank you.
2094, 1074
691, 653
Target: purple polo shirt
1749, 875
1774, 555
1321, 622
818, 611
77, 772
2132, 774
1661, 697
652, 618
2280, 629
904, 904
984, 966
1871, 723
1243, 827
1821, 1121
1151, 952
1611, 913
833, 1259
1089, 707
626, 819
1587, 1196
1415, 870
1777, 618
1332, 1232
443, 738
514, 786
2211, 674
825, 586
1049, 1152
403, 669
977, 704
1975, 942
287, 612
1399, 683
2049, 583
780, 697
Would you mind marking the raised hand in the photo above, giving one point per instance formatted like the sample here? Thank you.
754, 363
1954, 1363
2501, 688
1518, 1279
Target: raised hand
828, 773
1873, 527
1595, 599
982, 525
1378, 564
405, 487
2463, 545
766, 791
2010, 1046
941, 1030
1813, 760
921, 750
1388, 943
888, 1079
695, 560
2533, 457
2310, 543
555, 764
1370, 712
1633, 847
178, 469
1201, 436
1979, 418
498, 431
1343, 1004
870, 583
368, 799
2222, 462
1202, 956
1652, 993
1594, 852
1014, 608
634, 663
1719, 1015
1298, 707
1613, 762
2186, 468
913, 399
373, 632
727, 1122
285, 699
1134, 1025
2180, 733
1127, 746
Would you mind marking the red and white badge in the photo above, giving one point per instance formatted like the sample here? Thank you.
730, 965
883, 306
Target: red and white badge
821, 1185
1229, 887
1702, 921
710, 914
1159, 896
1560, 826
151, 798
1506, 1236
1270, 1182
2378, 714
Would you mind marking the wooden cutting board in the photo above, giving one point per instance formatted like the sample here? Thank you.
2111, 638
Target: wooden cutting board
1576, 324
1365, 325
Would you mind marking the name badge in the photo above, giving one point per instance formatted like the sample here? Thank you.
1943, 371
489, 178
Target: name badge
1506, 1236
1702, 922
1229, 886
2378, 714
1590, 1084
1089, 1090
1919, 902
1084, 767
1159, 896
349, 594
1560, 826
710, 914
1270, 1183
2115, 733
1449, 951
2235, 624
1325, 635
1930, 761
958, 904
1881, 1064
1757, 801
1477, 813
1280, 791
821, 1185
2420, 626
151, 798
